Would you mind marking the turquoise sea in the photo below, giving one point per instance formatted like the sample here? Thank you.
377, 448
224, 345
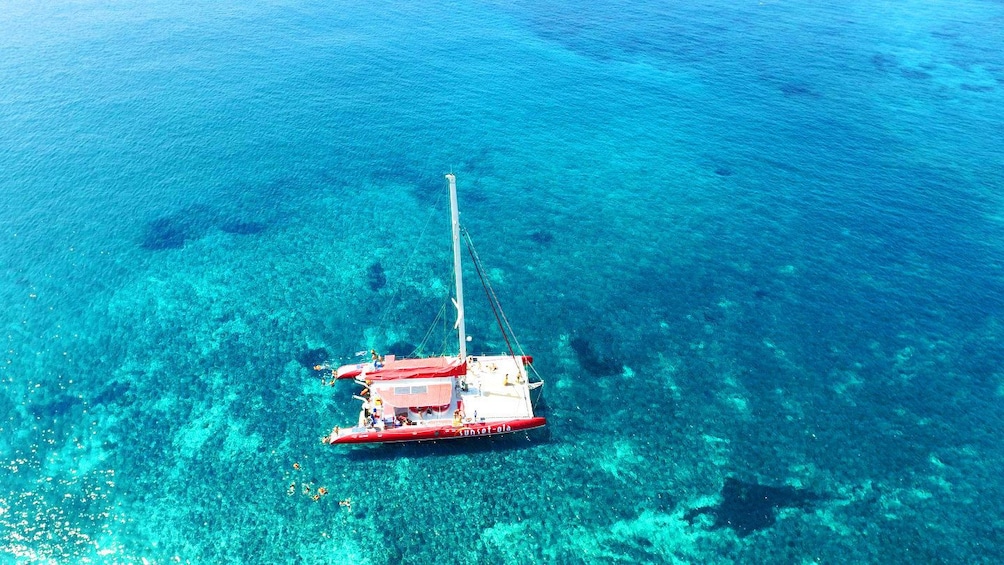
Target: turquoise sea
756, 249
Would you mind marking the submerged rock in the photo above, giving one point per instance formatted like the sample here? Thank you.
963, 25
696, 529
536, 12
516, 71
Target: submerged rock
164, 233
310, 358
884, 62
592, 361
542, 237
375, 277
401, 349
173, 230
750, 507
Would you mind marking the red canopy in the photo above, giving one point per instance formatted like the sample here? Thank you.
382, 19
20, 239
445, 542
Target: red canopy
401, 394
392, 369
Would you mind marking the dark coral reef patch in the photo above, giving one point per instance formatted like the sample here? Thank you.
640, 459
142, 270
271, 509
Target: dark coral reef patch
541, 237
168, 232
750, 507
376, 278
174, 230
311, 358
402, 349
592, 360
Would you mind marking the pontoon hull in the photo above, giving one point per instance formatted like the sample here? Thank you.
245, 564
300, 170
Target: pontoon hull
432, 433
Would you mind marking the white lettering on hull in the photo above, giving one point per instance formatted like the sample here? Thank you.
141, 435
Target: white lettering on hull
487, 430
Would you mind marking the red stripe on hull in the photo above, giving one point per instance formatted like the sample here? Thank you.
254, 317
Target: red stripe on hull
422, 433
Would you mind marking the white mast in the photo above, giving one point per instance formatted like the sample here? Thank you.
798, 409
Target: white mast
459, 301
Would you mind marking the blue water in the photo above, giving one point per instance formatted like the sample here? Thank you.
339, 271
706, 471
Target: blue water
753, 244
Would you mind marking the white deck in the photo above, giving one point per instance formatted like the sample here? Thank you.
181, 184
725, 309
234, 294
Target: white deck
497, 388
494, 389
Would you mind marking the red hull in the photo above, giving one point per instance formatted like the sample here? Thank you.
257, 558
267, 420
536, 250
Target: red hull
424, 433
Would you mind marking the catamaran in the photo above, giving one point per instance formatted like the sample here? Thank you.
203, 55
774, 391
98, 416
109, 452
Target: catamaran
445, 397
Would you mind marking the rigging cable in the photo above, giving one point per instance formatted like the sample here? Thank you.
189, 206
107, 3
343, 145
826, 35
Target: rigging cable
493, 299
425, 340
489, 294
390, 302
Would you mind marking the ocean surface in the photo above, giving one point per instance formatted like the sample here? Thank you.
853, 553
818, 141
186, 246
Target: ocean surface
755, 248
